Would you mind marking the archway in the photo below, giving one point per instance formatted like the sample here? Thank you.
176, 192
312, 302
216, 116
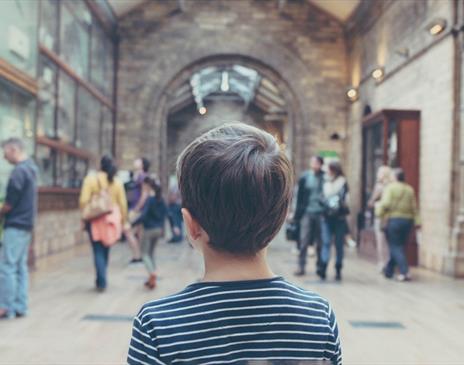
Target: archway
271, 103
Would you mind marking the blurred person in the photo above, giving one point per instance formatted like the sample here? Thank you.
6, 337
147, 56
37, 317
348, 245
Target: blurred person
136, 202
398, 206
18, 212
105, 179
152, 218
334, 224
309, 211
384, 177
236, 184
132, 190
175, 216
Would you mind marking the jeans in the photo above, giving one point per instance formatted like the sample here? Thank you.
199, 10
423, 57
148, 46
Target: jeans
149, 240
333, 229
100, 259
175, 221
14, 275
310, 232
397, 233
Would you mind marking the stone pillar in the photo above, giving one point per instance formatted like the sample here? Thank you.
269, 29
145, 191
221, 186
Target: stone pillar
453, 264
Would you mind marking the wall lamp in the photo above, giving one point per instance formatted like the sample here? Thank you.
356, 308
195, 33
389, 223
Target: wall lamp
436, 26
352, 94
378, 74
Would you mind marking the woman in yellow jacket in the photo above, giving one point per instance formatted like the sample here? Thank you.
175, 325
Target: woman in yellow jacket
93, 183
398, 206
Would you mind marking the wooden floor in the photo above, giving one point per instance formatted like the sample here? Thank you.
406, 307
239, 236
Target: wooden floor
381, 322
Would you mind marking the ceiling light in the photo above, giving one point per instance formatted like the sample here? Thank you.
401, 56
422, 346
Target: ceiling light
225, 81
436, 26
352, 94
202, 110
378, 73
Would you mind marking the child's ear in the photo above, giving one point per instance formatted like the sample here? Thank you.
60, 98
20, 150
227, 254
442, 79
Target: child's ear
192, 226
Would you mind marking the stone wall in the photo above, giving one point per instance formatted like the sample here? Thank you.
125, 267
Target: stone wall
379, 32
56, 231
303, 46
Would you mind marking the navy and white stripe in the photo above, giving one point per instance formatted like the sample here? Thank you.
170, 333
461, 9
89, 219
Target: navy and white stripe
235, 322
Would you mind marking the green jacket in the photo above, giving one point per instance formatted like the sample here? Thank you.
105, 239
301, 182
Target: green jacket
398, 201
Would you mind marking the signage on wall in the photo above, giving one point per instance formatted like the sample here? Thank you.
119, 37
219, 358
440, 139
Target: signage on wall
329, 156
18, 42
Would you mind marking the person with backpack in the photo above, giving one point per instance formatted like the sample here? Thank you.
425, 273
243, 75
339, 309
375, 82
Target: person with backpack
152, 218
398, 208
308, 212
104, 207
334, 226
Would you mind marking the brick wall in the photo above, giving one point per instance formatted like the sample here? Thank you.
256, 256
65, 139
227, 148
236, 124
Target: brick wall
302, 46
425, 84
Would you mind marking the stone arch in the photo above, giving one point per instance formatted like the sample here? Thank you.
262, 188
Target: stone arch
294, 112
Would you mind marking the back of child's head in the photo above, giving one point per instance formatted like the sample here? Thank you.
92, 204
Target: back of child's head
236, 182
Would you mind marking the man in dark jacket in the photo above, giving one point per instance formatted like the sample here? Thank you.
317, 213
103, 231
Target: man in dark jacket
19, 212
308, 211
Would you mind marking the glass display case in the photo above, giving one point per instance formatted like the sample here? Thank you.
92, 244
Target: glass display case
16, 120
48, 73
390, 137
49, 24
18, 29
66, 108
75, 36
88, 126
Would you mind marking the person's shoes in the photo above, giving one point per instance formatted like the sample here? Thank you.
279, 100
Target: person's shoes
321, 271
387, 274
100, 289
151, 282
311, 251
351, 242
5, 315
402, 277
20, 315
299, 272
135, 261
338, 275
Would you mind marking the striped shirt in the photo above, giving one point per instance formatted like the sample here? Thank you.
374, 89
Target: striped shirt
236, 323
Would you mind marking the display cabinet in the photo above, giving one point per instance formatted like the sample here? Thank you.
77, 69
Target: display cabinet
390, 137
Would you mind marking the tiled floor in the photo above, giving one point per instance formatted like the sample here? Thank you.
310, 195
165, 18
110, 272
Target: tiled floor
381, 322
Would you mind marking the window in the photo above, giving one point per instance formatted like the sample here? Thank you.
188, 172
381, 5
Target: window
66, 108
106, 131
45, 158
102, 60
75, 36
46, 98
49, 24
16, 120
88, 126
18, 29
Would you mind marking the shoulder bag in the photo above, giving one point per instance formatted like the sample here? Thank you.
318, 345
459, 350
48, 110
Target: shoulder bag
99, 205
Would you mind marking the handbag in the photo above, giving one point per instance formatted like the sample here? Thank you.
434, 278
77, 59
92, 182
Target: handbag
292, 231
335, 205
99, 205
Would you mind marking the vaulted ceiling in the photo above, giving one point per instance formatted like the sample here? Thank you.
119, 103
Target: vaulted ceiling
341, 9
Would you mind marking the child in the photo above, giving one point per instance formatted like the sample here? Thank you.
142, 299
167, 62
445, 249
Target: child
152, 217
235, 184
